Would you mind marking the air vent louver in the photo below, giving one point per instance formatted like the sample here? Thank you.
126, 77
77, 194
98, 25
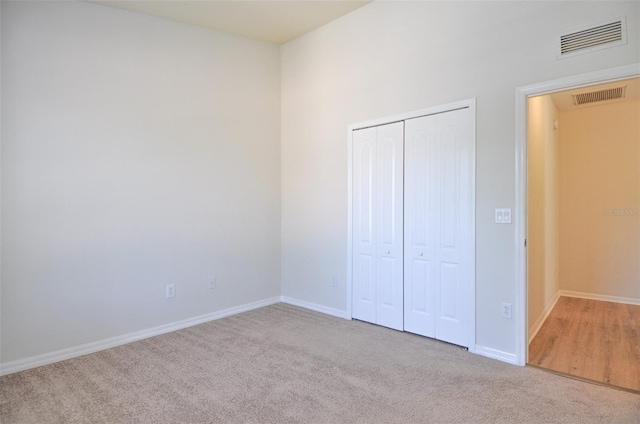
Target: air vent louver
596, 37
599, 96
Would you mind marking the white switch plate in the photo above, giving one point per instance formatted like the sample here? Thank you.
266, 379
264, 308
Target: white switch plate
503, 216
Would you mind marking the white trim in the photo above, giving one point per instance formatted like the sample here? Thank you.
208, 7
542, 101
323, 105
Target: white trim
472, 242
349, 275
468, 103
315, 307
411, 115
543, 317
603, 297
509, 358
85, 349
522, 96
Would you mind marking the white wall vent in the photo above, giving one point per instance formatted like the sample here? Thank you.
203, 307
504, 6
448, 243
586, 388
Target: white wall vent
612, 93
602, 36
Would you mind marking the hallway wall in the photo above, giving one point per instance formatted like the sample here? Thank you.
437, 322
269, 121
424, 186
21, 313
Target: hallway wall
544, 211
600, 200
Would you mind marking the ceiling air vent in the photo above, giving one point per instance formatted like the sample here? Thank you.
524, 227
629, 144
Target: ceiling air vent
612, 93
597, 37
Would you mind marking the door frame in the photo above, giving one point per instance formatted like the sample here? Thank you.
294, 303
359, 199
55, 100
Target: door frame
521, 205
448, 107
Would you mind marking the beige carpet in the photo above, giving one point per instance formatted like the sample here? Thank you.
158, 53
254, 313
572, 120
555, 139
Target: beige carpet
283, 364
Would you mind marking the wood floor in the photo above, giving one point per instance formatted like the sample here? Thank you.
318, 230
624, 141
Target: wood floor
591, 339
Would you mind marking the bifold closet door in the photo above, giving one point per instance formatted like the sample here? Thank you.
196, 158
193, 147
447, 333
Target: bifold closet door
377, 225
438, 224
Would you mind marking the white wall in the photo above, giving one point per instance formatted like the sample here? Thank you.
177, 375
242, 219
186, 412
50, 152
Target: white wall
543, 209
600, 200
393, 57
136, 152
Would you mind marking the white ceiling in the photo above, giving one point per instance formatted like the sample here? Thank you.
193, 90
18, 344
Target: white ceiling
564, 99
272, 21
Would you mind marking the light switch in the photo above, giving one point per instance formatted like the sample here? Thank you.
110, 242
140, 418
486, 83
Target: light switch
503, 216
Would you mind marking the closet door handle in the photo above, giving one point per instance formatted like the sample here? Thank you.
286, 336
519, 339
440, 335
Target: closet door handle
421, 253
388, 252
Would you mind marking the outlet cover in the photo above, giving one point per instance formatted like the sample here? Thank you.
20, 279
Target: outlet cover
170, 291
506, 310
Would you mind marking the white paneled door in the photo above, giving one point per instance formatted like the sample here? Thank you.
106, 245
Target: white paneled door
378, 225
438, 224
412, 223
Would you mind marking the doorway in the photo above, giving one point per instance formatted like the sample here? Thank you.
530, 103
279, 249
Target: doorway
584, 232
555, 250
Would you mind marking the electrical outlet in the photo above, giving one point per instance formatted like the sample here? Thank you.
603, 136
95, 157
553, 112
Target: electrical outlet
334, 282
212, 284
506, 310
170, 291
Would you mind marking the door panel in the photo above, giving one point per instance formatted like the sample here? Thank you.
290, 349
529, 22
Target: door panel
390, 140
364, 270
448, 293
420, 148
377, 227
454, 255
444, 177
448, 189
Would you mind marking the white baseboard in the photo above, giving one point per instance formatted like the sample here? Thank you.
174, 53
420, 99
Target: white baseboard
603, 297
509, 358
543, 317
85, 349
315, 307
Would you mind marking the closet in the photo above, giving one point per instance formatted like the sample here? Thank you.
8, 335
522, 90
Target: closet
412, 225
